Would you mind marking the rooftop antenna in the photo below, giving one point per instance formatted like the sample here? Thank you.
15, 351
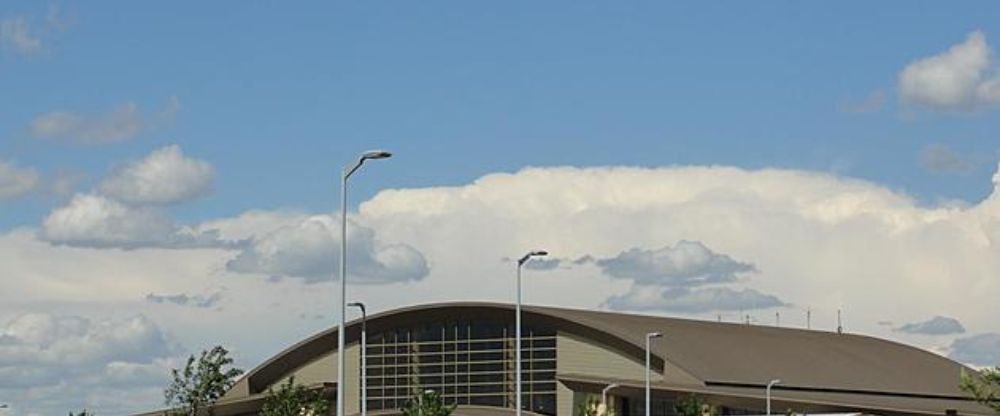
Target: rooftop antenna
809, 313
840, 327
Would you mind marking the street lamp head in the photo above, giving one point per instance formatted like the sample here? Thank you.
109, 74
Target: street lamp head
654, 335
773, 382
535, 253
359, 305
376, 154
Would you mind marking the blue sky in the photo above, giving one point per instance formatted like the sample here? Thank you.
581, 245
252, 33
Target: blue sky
171, 169
282, 96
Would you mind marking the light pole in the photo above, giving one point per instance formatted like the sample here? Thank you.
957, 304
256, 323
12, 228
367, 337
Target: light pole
768, 393
604, 395
364, 356
374, 154
649, 338
517, 330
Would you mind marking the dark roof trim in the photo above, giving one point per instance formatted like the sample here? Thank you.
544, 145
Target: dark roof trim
757, 393
836, 390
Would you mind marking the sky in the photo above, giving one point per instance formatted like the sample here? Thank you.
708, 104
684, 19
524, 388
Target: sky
169, 173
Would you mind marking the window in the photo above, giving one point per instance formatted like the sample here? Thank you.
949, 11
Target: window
467, 362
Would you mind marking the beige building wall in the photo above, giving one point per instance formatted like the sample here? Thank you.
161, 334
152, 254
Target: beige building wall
583, 357
324, 370
575, 355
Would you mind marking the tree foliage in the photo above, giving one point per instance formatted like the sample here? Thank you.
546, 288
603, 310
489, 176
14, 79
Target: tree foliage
84, 412
294, 400
984, 386
694, 405
592, 406
427, 403
201, 382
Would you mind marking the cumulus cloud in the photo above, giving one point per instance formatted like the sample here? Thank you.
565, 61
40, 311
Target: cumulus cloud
979, 350
938, 325
16, 181
120, 124
166, 176
95, 221
126, 211
942, 159
43, 355
183, 299
308, 249
687, 300
17, 35
818, 239
687, 263
961, 78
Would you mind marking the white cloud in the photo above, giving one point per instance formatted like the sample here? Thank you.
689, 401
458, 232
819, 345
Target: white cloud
938, 325
95, 221
961, 78
16, 181
126, 211
687, 300
119, 124
16, 34
308, 249
43, 357
166, 176
818, 240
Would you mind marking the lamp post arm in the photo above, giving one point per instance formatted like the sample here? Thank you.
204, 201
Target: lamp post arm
357, 165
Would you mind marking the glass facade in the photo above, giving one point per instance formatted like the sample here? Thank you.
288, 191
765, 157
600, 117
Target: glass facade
467, 362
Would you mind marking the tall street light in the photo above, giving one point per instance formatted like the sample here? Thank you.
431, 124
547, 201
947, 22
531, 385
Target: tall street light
768, 393
374, 154
604, 395
517, 330
364, 356
649, 338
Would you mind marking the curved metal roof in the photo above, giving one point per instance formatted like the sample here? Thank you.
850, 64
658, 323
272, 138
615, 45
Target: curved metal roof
718, 354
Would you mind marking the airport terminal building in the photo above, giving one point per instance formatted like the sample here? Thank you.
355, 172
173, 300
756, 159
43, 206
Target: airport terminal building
464, 351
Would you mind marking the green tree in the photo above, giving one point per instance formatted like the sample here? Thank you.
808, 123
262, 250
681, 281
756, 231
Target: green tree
427, 403
85, 412
294, 400
694, 405
984, 386
592, 407
201, 382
